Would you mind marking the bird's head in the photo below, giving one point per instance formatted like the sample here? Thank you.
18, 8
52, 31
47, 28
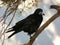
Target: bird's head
39, 11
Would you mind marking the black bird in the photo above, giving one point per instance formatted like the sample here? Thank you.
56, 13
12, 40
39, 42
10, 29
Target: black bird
29, 24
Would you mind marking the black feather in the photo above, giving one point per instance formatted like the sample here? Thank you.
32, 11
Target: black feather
29, 24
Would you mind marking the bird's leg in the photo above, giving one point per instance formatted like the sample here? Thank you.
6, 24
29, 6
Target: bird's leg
30, 36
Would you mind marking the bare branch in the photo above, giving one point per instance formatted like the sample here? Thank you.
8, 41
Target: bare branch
45, 24
7, 27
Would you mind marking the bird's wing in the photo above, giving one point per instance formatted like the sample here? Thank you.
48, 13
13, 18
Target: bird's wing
22, 22
28, 21
19, 24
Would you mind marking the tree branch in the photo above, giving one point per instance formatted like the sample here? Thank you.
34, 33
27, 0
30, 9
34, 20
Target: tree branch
45, 24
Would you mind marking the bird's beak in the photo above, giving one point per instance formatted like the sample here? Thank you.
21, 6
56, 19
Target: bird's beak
41, 13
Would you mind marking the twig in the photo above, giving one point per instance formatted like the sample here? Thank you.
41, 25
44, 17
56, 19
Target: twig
6, 15
3, 40
7, 27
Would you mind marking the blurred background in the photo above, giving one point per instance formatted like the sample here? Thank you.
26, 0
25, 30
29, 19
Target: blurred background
50, 35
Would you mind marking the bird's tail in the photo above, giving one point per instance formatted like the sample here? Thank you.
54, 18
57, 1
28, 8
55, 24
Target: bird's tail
11, 35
